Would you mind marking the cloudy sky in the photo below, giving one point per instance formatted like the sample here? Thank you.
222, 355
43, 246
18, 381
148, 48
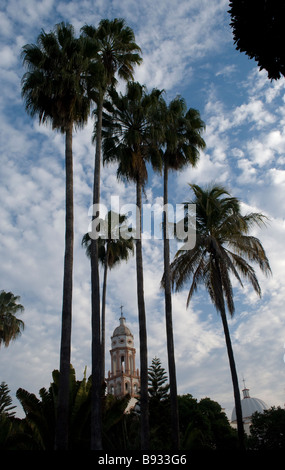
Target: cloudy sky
187, 50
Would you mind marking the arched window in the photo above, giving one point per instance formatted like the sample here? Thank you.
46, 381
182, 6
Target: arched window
131, 364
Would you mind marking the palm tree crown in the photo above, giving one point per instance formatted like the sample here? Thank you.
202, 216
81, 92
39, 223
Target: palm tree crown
117, 50
114, 243
129, 135
223, 244
10, 326
54, 85
183, 139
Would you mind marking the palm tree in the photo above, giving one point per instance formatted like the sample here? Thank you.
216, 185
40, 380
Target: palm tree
223, 247
114, 246
181, 144
40, 413
54, 89
128, 138
11, 327
117, 54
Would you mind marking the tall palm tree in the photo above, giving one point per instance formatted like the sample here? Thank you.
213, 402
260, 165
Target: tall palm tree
54, 89
11, 327
128, 139
223, 248
117, 54
114, 246
181, 144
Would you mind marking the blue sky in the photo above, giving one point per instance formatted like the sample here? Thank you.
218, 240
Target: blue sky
188, 50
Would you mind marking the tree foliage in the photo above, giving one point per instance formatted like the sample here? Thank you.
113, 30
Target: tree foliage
11, 327
54, 85
267, 430
41, 412
258, 30
159, 406
6, 406
158, 389
204, 425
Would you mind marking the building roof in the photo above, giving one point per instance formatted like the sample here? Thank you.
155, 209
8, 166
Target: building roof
249, 406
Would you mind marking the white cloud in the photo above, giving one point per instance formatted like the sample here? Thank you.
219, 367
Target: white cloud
253, 111
249, 173
227, 70
208, 170
7, 57
29, 13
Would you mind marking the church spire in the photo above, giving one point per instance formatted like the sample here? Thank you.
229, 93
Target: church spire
122, 317
245, 390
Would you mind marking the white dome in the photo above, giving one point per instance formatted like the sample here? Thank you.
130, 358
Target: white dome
122, 329
249, 406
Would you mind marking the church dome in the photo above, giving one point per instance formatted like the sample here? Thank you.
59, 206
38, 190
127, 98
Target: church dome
122, 329
249, 406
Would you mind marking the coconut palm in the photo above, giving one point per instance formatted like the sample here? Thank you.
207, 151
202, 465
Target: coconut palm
54, 89
223, 248
117, 54
11, 327
128, 139
181, 144
114, 246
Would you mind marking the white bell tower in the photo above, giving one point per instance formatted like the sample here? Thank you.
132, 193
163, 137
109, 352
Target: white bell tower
123, 378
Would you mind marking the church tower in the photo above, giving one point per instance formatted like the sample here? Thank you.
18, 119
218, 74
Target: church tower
123, 378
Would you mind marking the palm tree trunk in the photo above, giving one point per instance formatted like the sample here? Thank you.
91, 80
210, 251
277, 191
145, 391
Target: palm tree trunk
142, 328
168, 319
240, 427
222, 310
96, 417
104, 289
61, 433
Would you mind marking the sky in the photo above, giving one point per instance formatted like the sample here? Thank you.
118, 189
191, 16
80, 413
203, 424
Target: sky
187, 50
